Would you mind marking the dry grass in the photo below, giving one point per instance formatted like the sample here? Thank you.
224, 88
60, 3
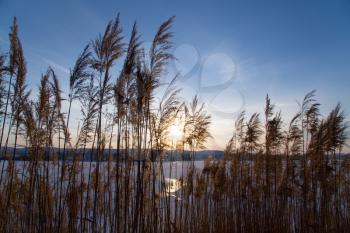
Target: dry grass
269, 180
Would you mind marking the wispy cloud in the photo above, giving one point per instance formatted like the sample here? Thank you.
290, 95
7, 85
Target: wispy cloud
55, 65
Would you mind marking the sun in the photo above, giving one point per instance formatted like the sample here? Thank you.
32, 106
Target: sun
175, 131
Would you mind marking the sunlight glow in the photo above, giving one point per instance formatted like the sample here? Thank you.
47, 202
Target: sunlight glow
175, 131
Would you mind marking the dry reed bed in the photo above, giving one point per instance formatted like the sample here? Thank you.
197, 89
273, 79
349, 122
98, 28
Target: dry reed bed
272, 178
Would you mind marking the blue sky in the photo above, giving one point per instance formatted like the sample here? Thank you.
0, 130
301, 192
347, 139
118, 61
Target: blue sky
230, 53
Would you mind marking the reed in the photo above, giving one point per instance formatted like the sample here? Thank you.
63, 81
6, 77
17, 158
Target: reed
114, 176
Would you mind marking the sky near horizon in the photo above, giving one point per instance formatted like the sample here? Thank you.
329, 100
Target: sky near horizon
229, 53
